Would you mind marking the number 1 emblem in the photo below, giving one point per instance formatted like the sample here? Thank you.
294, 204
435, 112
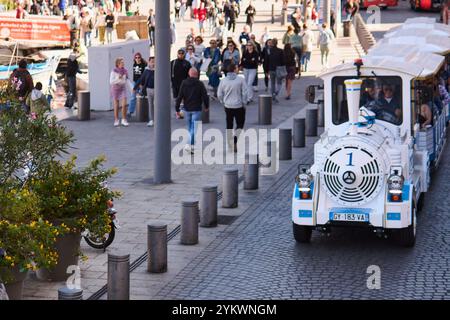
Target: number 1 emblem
350, 159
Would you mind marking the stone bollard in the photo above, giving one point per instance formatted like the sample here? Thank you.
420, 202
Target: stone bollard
285, 144
272, 167
118, 277
189, 222
265, 109
284, 17
299, 132
320, 114
84, 105
157, 247
205, 115
208, 207
65, 293
142, 109
251, 172
230, 187
311, 122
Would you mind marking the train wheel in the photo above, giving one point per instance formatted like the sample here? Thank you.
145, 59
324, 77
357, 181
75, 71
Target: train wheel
302, 234
407, 237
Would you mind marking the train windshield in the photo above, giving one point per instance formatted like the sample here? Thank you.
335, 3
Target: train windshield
381, 94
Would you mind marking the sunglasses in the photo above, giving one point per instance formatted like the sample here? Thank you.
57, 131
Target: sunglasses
190, 49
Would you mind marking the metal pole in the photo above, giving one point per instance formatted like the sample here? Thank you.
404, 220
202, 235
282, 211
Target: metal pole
118, 277
157, 247
285, 144
273, 14
189, 222
337, 13
208, 207
162, 160
65, 293
326, 12
230, 187
299, 132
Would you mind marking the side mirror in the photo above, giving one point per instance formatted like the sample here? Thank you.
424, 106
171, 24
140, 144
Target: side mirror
310, 93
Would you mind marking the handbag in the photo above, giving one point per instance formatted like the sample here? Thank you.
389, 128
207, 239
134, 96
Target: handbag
205, 64
281, 72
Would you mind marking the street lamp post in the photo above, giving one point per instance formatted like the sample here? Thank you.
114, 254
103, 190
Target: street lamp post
162, 154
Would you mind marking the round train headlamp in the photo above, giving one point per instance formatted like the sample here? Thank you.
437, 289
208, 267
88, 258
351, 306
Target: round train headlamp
304, 181
395, 183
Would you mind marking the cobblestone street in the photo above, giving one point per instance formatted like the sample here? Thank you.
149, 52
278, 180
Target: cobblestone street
258, 258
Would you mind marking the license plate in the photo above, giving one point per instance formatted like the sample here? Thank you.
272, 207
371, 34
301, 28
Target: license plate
352, 217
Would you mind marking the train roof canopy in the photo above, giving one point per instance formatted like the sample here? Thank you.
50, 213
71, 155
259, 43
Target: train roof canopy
433, 44
396, 58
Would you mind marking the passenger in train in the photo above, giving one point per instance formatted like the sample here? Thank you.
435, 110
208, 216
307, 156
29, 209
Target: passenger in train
425, 114
369, 94
387, 105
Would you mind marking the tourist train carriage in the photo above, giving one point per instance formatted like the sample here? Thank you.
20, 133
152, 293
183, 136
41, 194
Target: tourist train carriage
372, 163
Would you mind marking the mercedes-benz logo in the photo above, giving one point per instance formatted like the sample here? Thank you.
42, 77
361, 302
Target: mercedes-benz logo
349, 177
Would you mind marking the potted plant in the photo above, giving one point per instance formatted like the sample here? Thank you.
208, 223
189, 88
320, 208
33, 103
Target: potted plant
26, 240
76, 200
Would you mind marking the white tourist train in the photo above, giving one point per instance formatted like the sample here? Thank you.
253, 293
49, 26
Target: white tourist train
385, 128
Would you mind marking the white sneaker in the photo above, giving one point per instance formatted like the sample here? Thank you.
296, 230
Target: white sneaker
116, 123
150, 123
125, 123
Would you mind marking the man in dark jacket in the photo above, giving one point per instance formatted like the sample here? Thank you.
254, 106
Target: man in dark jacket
193, 94
274, 59
22, 81
179, 71
71, 77
147, 83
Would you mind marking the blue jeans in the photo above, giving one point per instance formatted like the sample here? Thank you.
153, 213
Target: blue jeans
87, 38
132, 105
191, 118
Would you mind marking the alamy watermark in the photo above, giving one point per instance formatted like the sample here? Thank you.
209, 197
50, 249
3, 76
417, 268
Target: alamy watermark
374, 280
212, 147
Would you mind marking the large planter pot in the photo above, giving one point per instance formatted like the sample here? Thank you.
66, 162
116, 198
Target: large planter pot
14, 284
68, 248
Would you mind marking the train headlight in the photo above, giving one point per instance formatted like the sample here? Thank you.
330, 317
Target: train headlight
395, 187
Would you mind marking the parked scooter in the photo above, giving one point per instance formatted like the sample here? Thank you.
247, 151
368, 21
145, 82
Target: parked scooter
103, 241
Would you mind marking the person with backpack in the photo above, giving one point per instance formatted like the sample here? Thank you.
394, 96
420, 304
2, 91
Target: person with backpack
21, 80
86, 28
324, 42
36, 100
232, 94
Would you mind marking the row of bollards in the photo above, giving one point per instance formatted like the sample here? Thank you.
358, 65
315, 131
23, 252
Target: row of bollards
205, 213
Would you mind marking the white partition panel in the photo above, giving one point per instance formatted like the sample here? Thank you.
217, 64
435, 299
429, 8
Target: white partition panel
102, 60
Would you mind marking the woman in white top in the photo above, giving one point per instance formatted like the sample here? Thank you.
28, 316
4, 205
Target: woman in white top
193, 59
119, 81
